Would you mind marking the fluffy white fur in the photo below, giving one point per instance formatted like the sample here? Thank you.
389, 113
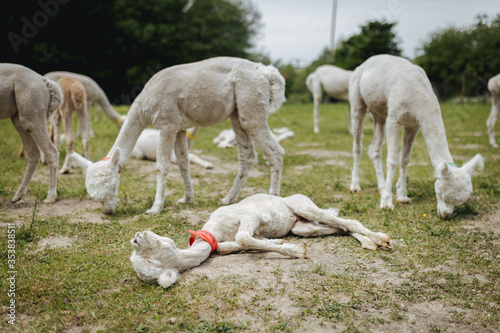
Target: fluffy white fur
227, 138
494, 88
203, 94
28, 100
147, 145
334, 81
399, 94
255, 223
95, 96
75, 100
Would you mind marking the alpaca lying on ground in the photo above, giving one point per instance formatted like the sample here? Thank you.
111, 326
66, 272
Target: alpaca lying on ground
227, 138
203, 94
28, 100
95, 96
400, 94
75, 100
494, 88
246, 226
147, 145
334, 81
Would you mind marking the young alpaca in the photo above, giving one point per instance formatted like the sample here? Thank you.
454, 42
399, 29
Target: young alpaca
203, 93
399, 93
246, 226
75, 99
494, 88
335, 82
95, 96
28, 100
146, 146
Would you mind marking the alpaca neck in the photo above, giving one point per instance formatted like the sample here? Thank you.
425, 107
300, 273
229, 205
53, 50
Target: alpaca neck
108, 110
434, 135
194, 256
199, 251
128, 135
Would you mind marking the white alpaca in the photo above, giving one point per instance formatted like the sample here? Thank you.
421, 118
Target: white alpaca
227, 138
203, 94
494, 88
334, 81
400, 94
147, 145
95, 96
28, 100
75, 100
246, 225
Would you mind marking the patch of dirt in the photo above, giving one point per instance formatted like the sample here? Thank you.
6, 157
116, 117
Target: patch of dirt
487, 223
324, 153
76, 211
54, 242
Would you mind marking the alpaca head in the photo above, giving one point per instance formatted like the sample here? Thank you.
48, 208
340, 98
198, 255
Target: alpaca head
154, 258
102, 179
454, 185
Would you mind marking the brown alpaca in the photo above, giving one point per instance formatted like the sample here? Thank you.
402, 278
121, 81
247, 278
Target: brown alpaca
75, 99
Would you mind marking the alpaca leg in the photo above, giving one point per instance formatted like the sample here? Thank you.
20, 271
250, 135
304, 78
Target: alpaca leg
392, 163
314, 229
247, 159
80, 131
181, 153
244, 237
264, 139
492, 119
83, 115
317, 92
358, 111
164, 151
199, 161
32, 153
230, 247
409, 135
304, 207
375, 151
56, 128
67, 117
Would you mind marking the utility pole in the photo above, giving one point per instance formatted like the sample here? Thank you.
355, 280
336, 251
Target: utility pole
332, 30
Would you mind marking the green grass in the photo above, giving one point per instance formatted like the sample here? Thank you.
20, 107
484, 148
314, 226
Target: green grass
92, 285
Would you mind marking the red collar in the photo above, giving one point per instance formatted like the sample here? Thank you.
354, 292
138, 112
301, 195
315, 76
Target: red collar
107, 158
206, 235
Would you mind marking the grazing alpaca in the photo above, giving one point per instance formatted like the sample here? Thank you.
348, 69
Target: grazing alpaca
28, 100
494, 88
147, 145
75, 99
245, 226
95, 96
203, 93
399, 93
335, 82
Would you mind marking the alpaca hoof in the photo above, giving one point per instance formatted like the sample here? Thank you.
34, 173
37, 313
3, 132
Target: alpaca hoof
184, 201
209, 166
404, 200
494, 145
355, 189
16, 199
64, 171
49, 200
382, 240
387, 205
226, 200
153, 211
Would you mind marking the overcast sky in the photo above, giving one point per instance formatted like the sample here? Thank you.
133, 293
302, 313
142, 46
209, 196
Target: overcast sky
296, 31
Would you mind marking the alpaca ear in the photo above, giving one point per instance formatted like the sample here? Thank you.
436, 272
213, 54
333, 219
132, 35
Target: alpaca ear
442, 170
476, 162
168, 277
81, 161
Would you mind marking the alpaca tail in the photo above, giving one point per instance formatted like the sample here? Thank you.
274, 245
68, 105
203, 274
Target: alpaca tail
309, 81
56, 96
77, 94
277, 89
